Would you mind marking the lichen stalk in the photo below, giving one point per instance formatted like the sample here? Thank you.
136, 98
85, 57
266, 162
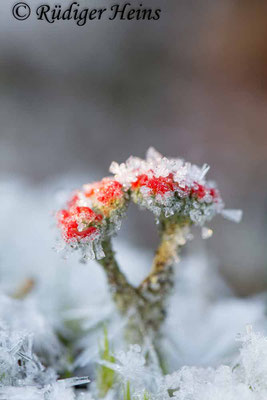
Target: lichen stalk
148, 301
123, 293
159, 283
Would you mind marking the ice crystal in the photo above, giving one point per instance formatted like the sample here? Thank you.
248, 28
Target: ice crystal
23, 316
132, 371
246, 379
56, 391
22, 375
253, 360
232, 215
171, 187
131, 363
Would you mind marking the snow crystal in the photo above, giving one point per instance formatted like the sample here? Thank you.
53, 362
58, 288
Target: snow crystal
245, 379
253, 360
232, 215
129, 365
22, 373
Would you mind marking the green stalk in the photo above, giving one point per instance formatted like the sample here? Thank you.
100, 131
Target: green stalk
123, 293
148, 301
159, 283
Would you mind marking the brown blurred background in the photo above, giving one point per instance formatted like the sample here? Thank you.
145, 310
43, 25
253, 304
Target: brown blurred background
193, 84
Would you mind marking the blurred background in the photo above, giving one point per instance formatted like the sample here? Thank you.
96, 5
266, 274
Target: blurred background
192, 84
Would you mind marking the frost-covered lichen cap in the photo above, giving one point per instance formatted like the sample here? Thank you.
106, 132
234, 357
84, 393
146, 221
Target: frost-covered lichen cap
106, 196
171, 187
91, 215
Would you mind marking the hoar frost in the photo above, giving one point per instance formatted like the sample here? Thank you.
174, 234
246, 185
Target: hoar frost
169, 187
245, 379
179, 195
26, 377
22, 374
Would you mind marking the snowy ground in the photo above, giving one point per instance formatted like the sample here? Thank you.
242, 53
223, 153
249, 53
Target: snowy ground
62, 317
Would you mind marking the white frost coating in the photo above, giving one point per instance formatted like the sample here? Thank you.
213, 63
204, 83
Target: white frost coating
55, 391
245, 379
130, 367
131, 363
24, 316
186, 178
253, 360
184, 173
89, 248
232, 215
22, 374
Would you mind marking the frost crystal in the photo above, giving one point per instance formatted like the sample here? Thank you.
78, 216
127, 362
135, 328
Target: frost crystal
253, 360
232, 215
245, 380
129, 365
171, 187
22, 374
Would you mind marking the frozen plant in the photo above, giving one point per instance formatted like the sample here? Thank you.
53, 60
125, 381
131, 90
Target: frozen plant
23, 376
179, 196
253, 360
22, 315
245, 379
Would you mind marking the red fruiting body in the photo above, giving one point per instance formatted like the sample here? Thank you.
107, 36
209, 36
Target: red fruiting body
215, 194
161, 185
79, 221
71, 231
199, 191
62, 216
105, 191
73, 201
70, 220
87, 213
106, 195
140, 181
158, 185
109, 191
